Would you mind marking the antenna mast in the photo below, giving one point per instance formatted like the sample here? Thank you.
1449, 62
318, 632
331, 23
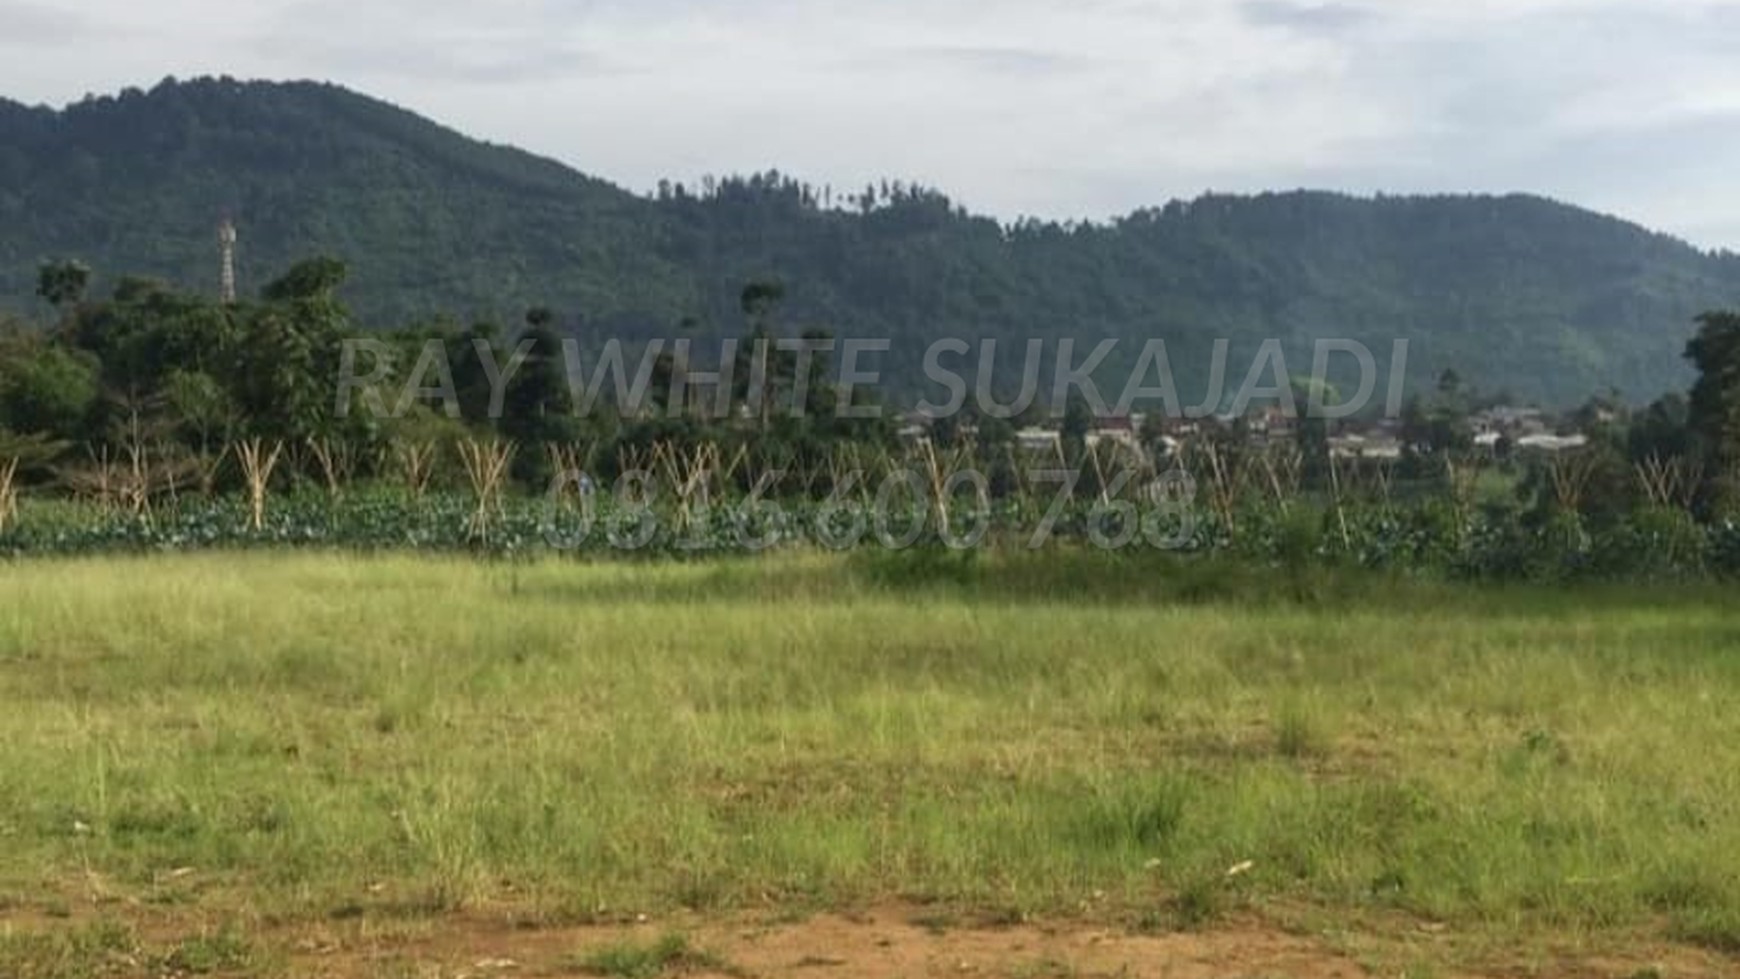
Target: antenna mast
227, 242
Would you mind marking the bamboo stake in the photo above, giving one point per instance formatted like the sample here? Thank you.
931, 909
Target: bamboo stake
337, 461
257, 466
8, 492
208, 468
1660, 480
938, 485
1384, 476
737, 463
138, 488
416, 465
1283, 470
1464, 479
1099, 472
486, 465
1691, 481
1225, 485
1571, 476
1335, 495
563, 462
1670, 483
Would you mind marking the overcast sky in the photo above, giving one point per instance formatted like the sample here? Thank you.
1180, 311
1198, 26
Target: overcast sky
1056, 108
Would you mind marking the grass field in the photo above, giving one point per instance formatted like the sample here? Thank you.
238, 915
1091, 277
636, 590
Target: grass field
245, 745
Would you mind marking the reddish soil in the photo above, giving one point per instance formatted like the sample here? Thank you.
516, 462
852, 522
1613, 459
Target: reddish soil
899, 943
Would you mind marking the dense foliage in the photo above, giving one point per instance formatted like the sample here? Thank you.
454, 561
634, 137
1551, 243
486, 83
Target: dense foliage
1535, 298
174, 421
1300, 543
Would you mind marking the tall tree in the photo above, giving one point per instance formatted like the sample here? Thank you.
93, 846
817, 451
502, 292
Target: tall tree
759, 302
1078, 423
287, 362
1715, 400
46, 389
1662, 431
1714, 409
63, 283
537, 406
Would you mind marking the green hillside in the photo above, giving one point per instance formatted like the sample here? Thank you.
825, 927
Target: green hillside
1519, 293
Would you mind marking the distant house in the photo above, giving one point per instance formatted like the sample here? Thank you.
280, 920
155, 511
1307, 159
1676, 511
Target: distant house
1508, 421
1271, 426
1039, 441
1360, 446
1552, 443
1119, 429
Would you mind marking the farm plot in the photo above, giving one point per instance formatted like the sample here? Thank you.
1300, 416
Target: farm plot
257, 764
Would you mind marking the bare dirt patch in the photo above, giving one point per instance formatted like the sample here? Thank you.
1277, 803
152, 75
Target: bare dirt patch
891, 941
895, 942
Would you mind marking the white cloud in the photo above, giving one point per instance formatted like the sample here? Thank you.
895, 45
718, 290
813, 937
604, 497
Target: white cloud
1019, 106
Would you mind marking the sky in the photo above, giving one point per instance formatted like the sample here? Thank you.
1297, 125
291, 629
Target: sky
1057, 109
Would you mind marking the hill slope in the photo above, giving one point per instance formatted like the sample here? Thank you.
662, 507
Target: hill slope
1518, 293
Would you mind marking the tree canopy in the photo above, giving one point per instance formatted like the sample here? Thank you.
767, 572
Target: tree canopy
1517, 293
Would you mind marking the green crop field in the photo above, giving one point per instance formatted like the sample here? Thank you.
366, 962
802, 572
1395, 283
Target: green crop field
244, 744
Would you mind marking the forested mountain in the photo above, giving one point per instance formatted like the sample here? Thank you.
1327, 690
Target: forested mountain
1518, 294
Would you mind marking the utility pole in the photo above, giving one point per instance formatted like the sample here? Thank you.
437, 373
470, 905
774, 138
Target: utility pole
227, 242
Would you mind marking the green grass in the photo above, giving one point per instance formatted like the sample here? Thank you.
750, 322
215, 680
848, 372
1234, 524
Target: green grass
669, 955
321, 737
110, 948
103, 948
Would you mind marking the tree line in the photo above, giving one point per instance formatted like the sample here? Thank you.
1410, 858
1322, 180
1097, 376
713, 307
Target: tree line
182, 380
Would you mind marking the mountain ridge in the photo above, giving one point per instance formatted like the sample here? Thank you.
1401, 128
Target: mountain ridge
1515, 291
